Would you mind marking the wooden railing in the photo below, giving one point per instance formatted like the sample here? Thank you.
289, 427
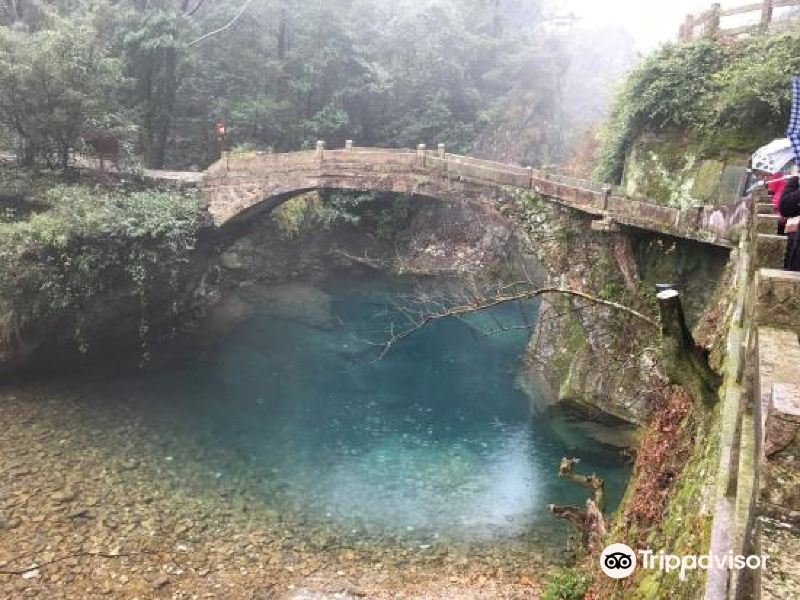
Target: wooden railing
709, 24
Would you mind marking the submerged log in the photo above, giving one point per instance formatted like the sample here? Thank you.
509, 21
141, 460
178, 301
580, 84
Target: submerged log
685, 362
372, 263
591, 482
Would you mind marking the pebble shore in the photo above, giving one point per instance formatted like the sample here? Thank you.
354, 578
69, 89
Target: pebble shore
94, 504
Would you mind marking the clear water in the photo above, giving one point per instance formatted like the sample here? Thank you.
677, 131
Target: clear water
434, 438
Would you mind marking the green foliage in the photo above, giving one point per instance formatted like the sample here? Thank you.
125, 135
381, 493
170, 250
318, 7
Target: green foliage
567, 585
283, 75
478, 76
59, 261
730, 97
388, 222
314, 211
153, 52
55, 82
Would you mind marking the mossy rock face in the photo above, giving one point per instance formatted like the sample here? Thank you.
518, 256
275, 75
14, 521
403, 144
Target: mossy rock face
706, 181
673, 169
661, 169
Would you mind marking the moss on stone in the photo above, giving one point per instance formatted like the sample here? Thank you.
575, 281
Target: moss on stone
707, 179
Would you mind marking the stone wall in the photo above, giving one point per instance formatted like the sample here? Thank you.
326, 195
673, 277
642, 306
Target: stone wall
588, 355
674, 170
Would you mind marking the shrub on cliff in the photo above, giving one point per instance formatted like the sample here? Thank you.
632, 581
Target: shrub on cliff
90, 241
729, 96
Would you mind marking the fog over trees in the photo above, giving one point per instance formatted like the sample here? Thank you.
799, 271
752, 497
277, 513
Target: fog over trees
506, 79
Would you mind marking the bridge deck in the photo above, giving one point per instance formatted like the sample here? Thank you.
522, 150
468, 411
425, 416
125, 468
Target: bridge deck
254, 177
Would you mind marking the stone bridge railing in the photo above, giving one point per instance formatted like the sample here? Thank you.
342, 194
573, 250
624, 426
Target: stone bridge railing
241, 182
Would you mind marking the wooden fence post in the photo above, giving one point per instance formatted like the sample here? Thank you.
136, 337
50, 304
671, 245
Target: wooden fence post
320, 150
766, 15
421, 154
348, 144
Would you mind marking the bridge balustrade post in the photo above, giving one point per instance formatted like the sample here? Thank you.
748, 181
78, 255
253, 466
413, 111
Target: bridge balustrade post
530, 177
421, 155
348, 144
320, 150
440, 150
606, 198
766, 15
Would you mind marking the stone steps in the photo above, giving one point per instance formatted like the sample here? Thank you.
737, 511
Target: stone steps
778, 299
777, 530
777, 423
767, 223
764, 208
770, 249
778, 357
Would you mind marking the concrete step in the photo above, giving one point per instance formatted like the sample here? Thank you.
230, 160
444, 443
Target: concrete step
778, 503
778, 299
778, 354
764, 208
779, 538
770, 250
783, 418
767, 223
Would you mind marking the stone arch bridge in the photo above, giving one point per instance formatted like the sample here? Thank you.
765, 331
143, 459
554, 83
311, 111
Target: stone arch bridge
243, 184
752, 487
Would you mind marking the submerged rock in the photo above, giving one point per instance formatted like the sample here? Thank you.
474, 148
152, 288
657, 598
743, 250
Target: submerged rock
64, 495
292, 301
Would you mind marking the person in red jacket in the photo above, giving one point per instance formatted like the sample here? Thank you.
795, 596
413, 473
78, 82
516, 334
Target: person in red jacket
776, 184
790, 207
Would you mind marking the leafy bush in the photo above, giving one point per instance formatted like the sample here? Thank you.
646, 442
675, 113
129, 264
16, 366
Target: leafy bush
732, 96
316, 211
89, 241
567, 585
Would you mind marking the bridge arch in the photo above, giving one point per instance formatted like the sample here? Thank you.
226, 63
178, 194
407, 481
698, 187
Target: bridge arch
256, 183
240, 185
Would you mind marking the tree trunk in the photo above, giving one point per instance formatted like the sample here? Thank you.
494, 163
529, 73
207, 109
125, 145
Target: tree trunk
282, 34
65, 147
28, 154
166, 100
686, 364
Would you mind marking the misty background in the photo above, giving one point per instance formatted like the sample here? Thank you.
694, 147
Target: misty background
522, 81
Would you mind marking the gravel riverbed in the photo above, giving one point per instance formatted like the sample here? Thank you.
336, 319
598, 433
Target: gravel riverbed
95, 504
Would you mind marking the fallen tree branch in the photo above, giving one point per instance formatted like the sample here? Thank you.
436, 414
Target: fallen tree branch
591, 482
372, 263
480, 305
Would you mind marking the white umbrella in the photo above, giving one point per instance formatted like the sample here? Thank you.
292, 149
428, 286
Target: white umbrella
774, 156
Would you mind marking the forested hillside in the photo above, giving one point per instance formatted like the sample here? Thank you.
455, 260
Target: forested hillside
284, 73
